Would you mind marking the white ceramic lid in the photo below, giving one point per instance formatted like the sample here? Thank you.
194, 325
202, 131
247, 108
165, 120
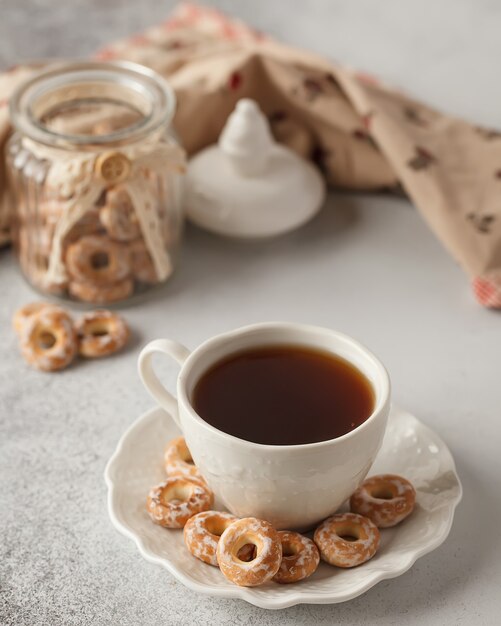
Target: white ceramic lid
248, 185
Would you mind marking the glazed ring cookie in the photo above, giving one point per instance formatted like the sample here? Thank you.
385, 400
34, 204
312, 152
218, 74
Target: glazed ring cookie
202, 532
173, 502
386, 499
347, 539
300, 557
118, 216
48, 339
87, 292
178, 461
268, 552
22, 315
97, 260
101, 333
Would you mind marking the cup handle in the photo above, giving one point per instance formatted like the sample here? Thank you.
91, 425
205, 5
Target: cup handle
150, 380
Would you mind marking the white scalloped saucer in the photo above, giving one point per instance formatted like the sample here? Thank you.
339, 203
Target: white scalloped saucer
409, 448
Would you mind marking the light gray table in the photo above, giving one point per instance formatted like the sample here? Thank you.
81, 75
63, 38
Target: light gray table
367, 265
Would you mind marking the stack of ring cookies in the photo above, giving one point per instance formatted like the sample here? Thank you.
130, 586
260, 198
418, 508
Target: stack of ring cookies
350, 539
50, 340
106, 254
250, 551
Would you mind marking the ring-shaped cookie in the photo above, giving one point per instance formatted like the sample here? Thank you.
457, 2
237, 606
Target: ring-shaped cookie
202, 533
178, 460
48, 339
347, 539
101, 333
386, 499
175, 500
300, 557
22, 315
267, 557
118, 216
97, 260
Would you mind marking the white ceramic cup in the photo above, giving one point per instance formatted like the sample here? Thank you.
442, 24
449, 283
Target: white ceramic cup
292, 486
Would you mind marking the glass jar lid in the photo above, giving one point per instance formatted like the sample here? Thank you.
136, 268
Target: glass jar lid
80, 105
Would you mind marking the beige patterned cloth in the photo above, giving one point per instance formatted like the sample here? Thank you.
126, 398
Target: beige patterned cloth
363, 135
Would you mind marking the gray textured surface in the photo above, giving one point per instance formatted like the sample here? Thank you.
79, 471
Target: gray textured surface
367, 266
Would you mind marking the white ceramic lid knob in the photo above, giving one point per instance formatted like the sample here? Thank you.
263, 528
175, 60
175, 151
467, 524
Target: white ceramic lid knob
248, 185
246, 139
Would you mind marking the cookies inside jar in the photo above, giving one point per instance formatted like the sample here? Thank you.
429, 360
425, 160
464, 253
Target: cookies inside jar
96, 183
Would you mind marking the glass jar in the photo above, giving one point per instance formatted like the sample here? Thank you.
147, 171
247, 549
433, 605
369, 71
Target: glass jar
96, 178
